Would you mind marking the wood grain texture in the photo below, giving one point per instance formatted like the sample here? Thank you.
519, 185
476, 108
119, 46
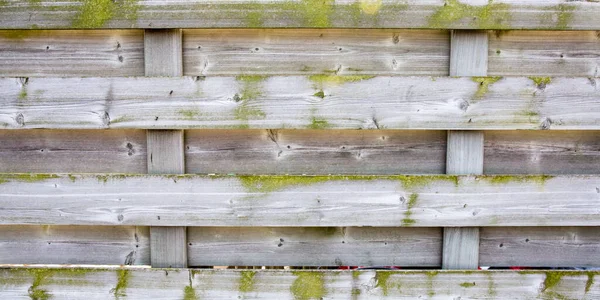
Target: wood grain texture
460, 248
544, 53
71, 53
382, 152
168, 247
465, 152
84, 151
102, 245
465, 14
163, 52
165, 152
272, 284
189, 200
468, 53
321, 102
315, 51
542, 152
314, 246
540, 246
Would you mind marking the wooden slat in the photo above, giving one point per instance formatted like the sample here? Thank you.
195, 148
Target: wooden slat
540, 246
453, 14
271, 284
71, 53
163, 52
314, 246
544, 53
421, 201
315, 51
465, 152
468, 53
165, 152
542, 152
366, 152
84, 151
317, 102
103, 245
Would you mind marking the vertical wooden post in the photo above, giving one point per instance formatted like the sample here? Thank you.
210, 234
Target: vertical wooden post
163, 57
468, 57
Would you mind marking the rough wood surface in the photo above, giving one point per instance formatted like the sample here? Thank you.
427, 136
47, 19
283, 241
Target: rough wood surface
163, 52
544, 53
165, 152
540, 246
313, 152
465, 152
272, 284
464, 14
83, 151
315, 51
101, 245
387, 201
314, 246
460, 248
468, 53
542, 152
317, 102
71, 53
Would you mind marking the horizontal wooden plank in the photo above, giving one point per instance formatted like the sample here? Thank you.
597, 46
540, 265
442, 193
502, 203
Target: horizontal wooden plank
314, 102
71, 52
544, 53
83, 151
313, 152
305, 201
314, 51
102, 245
542, 152
453, 14
314, 246
540, 246
272, 284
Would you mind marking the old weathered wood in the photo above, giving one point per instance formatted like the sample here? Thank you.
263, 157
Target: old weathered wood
540, 246
314, 246
317, 102
316, 284
71, 53
315, 152
315, 51
468, 57
102, 245
542, 152
544, 53
163, 57
421, 201
464, 14
83, 151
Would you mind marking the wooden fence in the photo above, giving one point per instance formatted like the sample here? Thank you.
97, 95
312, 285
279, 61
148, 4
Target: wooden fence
143, 142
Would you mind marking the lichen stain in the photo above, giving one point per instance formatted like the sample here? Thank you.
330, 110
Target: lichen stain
412, 201
370, 7
318, 123
490, 16
247, 281
250, 92
189, 293
382, 281
308, 285
96, 13
122, 282
484, 86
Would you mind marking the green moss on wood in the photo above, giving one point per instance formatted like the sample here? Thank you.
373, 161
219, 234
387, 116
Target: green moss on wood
34, 291
320, 94
189, 293
490, 16
189, 114
250, 92
247, 281
484, 85
412, 201
589, 282
318, 123
308, 285
26, 177
416, 182
267, 184
504, 179
96, 13
565, 16
430, 276
122, 283
541, 81
329, 79
467, 284
382, 281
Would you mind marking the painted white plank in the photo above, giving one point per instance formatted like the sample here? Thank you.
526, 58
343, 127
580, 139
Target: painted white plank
178, 200
315, 51
314, 246
464, 14
87, 245
317, 102
271, 284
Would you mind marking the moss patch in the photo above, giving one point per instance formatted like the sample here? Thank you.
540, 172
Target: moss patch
382, 281
490, 16
412, 201
96, 13
559, 17
122, 282
484, 86
504, 179
589, 282
329, 79
541, 82
267, 184
320, 94
467, 284
250, 92
430, 276
318, 123
26, 177
308, 285
189, 293
34, 291
189, 114
247, 281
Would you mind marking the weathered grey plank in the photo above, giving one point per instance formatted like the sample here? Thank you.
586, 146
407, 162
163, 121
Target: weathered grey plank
468, 53
102, 245
271, 284
465, 152
453, 14
84, 151
71, 53
163, 52
379, 152
460, 248
542, 152
165, 152
540, 246
316, 102
544, 53
314, 246
315, 51
386, 201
